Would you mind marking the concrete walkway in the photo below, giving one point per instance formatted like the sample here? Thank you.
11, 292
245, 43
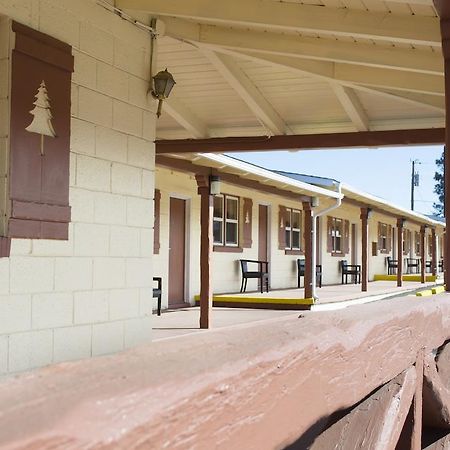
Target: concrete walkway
184, 321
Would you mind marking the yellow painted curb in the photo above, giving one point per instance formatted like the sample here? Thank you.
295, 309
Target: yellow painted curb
260, 300
426, 293
438, 290
416, 278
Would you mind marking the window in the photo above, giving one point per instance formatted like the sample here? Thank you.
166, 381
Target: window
417, 243
407, 242
336, 235
383, 237
226, 220
292, 229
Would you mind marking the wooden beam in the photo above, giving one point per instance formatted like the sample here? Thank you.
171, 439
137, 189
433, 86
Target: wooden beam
245, 88
303, 142
286, 16
351, 74
318, 49
183, 165
189, 121
352, 106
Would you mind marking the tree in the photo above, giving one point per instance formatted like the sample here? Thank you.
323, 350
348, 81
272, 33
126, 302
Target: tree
42, 120
439, 186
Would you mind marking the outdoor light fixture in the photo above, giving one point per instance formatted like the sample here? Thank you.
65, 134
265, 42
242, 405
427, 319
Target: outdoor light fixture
369, 213
163, 84
314, 202
214, 185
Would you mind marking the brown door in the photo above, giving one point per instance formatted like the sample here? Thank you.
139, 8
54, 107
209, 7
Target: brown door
262, 233
177, 233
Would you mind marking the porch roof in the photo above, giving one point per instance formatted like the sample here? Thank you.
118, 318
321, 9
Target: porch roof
261, 68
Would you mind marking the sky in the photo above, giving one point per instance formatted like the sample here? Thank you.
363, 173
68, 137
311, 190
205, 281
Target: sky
385, 172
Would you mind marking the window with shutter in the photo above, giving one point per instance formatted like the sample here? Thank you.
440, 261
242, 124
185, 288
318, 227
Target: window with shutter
384, 237
281, 229
338, 236
226, 221
292, 230
417, 243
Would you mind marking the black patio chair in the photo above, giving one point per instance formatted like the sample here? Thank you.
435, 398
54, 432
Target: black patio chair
261, 273
428, 266
354, 270
157, 292
301, 272
441, 265
392, 265
412, 265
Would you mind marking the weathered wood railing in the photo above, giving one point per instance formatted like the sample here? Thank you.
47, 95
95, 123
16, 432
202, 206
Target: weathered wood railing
353, 377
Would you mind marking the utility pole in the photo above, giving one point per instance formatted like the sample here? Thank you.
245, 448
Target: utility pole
414, 180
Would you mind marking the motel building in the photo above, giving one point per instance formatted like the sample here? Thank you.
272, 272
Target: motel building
120, 197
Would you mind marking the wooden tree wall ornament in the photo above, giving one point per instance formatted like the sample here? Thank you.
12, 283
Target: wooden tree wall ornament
42, 116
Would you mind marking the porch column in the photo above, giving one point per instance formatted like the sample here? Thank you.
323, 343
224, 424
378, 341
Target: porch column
433, 252
422, 253
445, 31
206, 249
310, 271
364, 248
400, 223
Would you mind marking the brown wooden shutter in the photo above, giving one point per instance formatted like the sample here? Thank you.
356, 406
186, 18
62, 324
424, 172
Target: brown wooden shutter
39, 164
281, 229
247, 222
329, 234
346, 237
157, 222
389, 239
380, 242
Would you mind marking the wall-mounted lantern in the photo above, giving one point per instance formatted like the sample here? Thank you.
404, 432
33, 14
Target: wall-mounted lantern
314, 202
369, 213
214, 185
163, 84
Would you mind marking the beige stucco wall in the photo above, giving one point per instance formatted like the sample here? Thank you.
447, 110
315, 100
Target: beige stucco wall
90, 295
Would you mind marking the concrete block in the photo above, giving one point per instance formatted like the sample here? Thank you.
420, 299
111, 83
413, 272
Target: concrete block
126, 179
141, 153
4, 112
127, 118
138, 93
72, 169
74, 97
112, 81
146, 301
146, 243
131, 59
47, 247
52, 310
91, 240
4, 276
123, 304
140, 212
91, 307
31, 275
73, 274
82, 203
20, 247
72, 343
59, 23
96, 42
124, 241
107, 338
15, 313
95, 107
109, 273
111, 145
3, 354
149, 126
4, 83
110, 209
93, 173
85, 70
137, 331
148, 184
139, 272
82, 137
30, 350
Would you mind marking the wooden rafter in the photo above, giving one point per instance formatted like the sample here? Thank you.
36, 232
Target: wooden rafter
186, 118
352, 106
299, 18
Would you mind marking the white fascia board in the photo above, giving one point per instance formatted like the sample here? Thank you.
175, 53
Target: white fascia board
265, 174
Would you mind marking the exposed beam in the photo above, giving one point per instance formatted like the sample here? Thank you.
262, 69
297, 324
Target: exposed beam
306, 47
245, 88
196, 127
352, 106
304, 142
183, 165
298, 17
352, 75
432, 101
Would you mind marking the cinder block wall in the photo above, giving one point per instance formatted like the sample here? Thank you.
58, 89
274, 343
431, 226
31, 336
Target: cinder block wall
90, 295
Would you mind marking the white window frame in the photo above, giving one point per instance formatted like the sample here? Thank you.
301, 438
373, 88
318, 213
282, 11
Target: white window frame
225, 220
289, 228
334, 228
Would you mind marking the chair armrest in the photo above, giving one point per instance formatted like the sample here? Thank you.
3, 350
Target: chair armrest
159, 281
